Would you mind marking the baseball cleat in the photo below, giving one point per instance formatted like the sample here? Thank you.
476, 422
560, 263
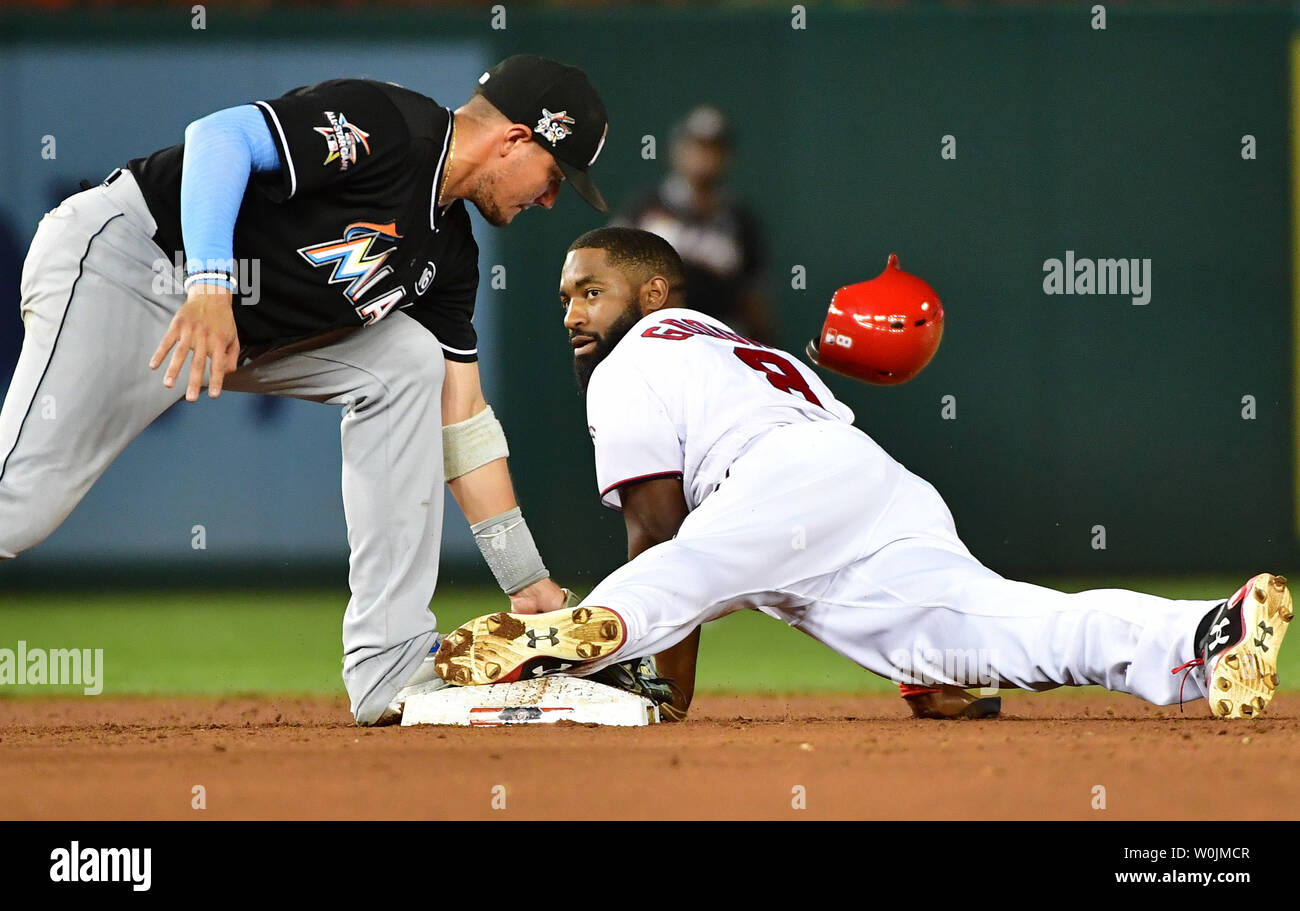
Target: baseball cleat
947, 702
502, 648
1239, 648
640, 676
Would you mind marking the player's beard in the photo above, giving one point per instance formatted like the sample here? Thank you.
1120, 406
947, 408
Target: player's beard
584, 365
484, 196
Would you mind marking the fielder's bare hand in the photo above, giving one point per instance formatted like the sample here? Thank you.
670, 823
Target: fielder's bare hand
538, 598
205, 325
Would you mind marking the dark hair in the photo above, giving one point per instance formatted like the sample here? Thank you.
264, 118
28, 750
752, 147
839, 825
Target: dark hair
640, 255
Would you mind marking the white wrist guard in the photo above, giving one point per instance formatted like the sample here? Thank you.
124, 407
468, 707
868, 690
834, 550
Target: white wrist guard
507, 546
472, 443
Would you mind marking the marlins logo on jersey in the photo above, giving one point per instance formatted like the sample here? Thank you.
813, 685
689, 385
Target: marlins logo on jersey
358, 259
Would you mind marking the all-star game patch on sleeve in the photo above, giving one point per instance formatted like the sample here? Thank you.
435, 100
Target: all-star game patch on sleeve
332, 131
634, 435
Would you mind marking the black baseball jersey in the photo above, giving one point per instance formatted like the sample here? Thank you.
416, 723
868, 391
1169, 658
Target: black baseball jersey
348, 229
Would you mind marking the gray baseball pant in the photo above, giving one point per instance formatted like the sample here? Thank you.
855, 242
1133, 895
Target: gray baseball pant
98, 295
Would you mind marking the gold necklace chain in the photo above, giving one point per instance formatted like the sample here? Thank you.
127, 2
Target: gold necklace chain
446, 170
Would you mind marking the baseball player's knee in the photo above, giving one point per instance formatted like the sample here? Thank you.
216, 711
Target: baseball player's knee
371, 690
19, 533
416, 359
368, 710
14, 542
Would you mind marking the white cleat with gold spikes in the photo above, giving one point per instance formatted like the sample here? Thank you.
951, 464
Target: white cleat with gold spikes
1241, 645
501, 647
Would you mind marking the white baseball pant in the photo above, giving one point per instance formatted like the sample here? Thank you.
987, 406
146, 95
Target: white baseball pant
819, 526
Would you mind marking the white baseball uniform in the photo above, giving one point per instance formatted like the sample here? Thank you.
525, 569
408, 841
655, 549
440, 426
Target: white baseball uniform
795, 512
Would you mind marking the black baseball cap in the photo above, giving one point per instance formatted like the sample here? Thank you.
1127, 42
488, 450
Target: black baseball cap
566, 114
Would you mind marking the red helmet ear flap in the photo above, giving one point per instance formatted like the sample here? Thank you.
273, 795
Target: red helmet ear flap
883, 331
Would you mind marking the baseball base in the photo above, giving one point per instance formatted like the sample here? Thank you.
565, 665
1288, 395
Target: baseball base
544, 701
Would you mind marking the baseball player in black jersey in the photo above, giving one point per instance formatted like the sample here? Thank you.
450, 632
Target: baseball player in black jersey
315, 246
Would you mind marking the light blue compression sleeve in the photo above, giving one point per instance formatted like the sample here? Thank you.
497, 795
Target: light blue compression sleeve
221, 151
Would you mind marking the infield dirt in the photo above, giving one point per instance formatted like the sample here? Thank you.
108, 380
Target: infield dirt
850, 757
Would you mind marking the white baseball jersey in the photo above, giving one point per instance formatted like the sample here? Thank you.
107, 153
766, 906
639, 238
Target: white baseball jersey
681, 395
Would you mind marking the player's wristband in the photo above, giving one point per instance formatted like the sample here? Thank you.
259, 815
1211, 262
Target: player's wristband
508, 547
224, 279
472, 443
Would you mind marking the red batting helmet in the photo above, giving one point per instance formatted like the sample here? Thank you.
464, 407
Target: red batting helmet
883, 331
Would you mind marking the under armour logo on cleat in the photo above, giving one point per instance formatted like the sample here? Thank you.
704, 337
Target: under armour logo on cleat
540, 669
553, 636
1264, 632
1220, 638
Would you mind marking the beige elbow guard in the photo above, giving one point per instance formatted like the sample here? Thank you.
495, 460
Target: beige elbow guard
472, 443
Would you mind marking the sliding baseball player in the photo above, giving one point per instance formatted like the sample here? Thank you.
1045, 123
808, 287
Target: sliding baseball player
744, 484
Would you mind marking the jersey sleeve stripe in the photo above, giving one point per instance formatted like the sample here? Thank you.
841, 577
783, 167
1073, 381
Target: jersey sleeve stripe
458, 350
654, 476
284, 147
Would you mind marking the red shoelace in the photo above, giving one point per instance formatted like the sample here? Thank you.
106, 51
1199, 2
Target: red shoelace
1195, 662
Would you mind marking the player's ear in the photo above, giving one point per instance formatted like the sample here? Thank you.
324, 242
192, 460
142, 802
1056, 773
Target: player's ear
654, 294
513, 135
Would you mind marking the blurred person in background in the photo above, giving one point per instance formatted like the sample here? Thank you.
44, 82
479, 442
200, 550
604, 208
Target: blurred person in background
720, 241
